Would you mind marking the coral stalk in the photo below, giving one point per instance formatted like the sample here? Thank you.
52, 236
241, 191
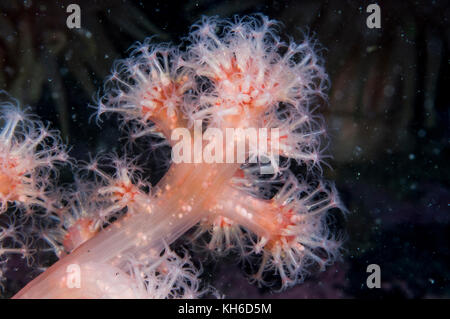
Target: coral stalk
139, 234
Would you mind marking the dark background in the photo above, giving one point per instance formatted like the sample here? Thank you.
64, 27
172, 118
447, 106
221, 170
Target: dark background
388, 118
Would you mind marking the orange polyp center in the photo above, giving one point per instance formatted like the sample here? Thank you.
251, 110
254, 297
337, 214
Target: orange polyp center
160, 94
127, 189
235, 82
234, 72
78, 233
7, 185
9, 179
223, 222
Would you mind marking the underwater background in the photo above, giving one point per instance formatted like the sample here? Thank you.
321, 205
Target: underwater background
388, 119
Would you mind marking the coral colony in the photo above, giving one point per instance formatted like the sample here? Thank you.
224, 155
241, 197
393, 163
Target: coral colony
234, 93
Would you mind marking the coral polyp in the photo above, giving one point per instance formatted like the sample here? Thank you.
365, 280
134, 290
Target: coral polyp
251, 68
229, 74
147, 87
